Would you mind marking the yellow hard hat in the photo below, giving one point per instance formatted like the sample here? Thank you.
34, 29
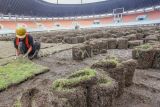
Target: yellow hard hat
20, 32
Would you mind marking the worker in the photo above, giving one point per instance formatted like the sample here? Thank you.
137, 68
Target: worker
25, 45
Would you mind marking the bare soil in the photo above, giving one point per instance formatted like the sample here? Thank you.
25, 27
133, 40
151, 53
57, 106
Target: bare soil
62, 64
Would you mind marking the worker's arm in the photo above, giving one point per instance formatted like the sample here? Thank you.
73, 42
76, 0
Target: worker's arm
16, 47
29, 50
17, 52
31, 46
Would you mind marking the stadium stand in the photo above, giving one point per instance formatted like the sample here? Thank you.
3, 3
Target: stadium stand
88, 22
154, 15
8, 24
138, 14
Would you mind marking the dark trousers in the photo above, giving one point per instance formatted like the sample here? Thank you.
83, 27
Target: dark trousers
23, 49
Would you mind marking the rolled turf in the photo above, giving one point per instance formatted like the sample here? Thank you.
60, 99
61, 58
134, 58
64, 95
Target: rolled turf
18, 71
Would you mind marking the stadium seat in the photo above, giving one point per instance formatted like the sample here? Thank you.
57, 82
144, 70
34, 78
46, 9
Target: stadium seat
154, 15
8, 24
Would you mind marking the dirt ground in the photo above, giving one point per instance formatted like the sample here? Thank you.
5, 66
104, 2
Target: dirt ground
7, 51
62, 64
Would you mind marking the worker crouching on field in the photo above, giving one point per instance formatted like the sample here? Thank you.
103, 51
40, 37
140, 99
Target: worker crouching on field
25, 44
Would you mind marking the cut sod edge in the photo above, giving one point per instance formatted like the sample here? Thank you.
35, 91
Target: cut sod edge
14, 84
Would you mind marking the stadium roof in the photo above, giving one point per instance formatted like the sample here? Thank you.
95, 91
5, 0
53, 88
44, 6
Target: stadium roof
72, 1
41, 8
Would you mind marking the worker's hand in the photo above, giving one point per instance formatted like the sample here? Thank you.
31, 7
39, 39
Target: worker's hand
15, 57
29, 50
18, 56
26, 55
